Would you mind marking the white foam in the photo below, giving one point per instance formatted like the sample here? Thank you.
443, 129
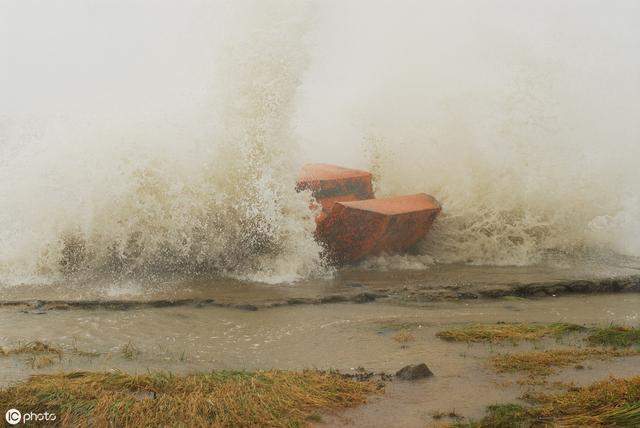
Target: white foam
137, 138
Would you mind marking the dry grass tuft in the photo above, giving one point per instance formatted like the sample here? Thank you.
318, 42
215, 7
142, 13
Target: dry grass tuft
545, 362
129, 351
238, 399
81, 353
514, 333
404, 337
33, 348
612, 402
42, 361
39, 354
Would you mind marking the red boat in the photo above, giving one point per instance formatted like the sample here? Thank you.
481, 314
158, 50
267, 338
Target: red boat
354, 224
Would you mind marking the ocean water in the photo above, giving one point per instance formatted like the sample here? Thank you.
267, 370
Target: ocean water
139, 139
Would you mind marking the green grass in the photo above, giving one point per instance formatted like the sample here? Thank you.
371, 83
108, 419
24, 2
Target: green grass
396, 325
615, 336
514, 299
219, 399
506, 332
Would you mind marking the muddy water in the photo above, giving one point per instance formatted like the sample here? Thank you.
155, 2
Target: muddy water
419, 284
340, 336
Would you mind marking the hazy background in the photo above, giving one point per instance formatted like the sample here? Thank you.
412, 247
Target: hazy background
144, 136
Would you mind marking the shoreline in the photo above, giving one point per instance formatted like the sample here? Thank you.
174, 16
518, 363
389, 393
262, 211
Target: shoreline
355, 293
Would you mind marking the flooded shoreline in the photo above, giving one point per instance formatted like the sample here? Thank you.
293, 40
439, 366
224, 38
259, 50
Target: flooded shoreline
358, 321
440, 283
170, 256
338, 336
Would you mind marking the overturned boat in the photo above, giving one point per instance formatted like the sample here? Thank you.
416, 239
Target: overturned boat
353, 224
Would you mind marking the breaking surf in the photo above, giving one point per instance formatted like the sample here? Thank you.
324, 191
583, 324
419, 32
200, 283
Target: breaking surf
134, 159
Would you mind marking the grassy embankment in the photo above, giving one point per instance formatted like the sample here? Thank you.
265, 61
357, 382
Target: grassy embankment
269, 398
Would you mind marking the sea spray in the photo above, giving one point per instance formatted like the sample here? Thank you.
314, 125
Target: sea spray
522, 119
208, 191
139, 147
